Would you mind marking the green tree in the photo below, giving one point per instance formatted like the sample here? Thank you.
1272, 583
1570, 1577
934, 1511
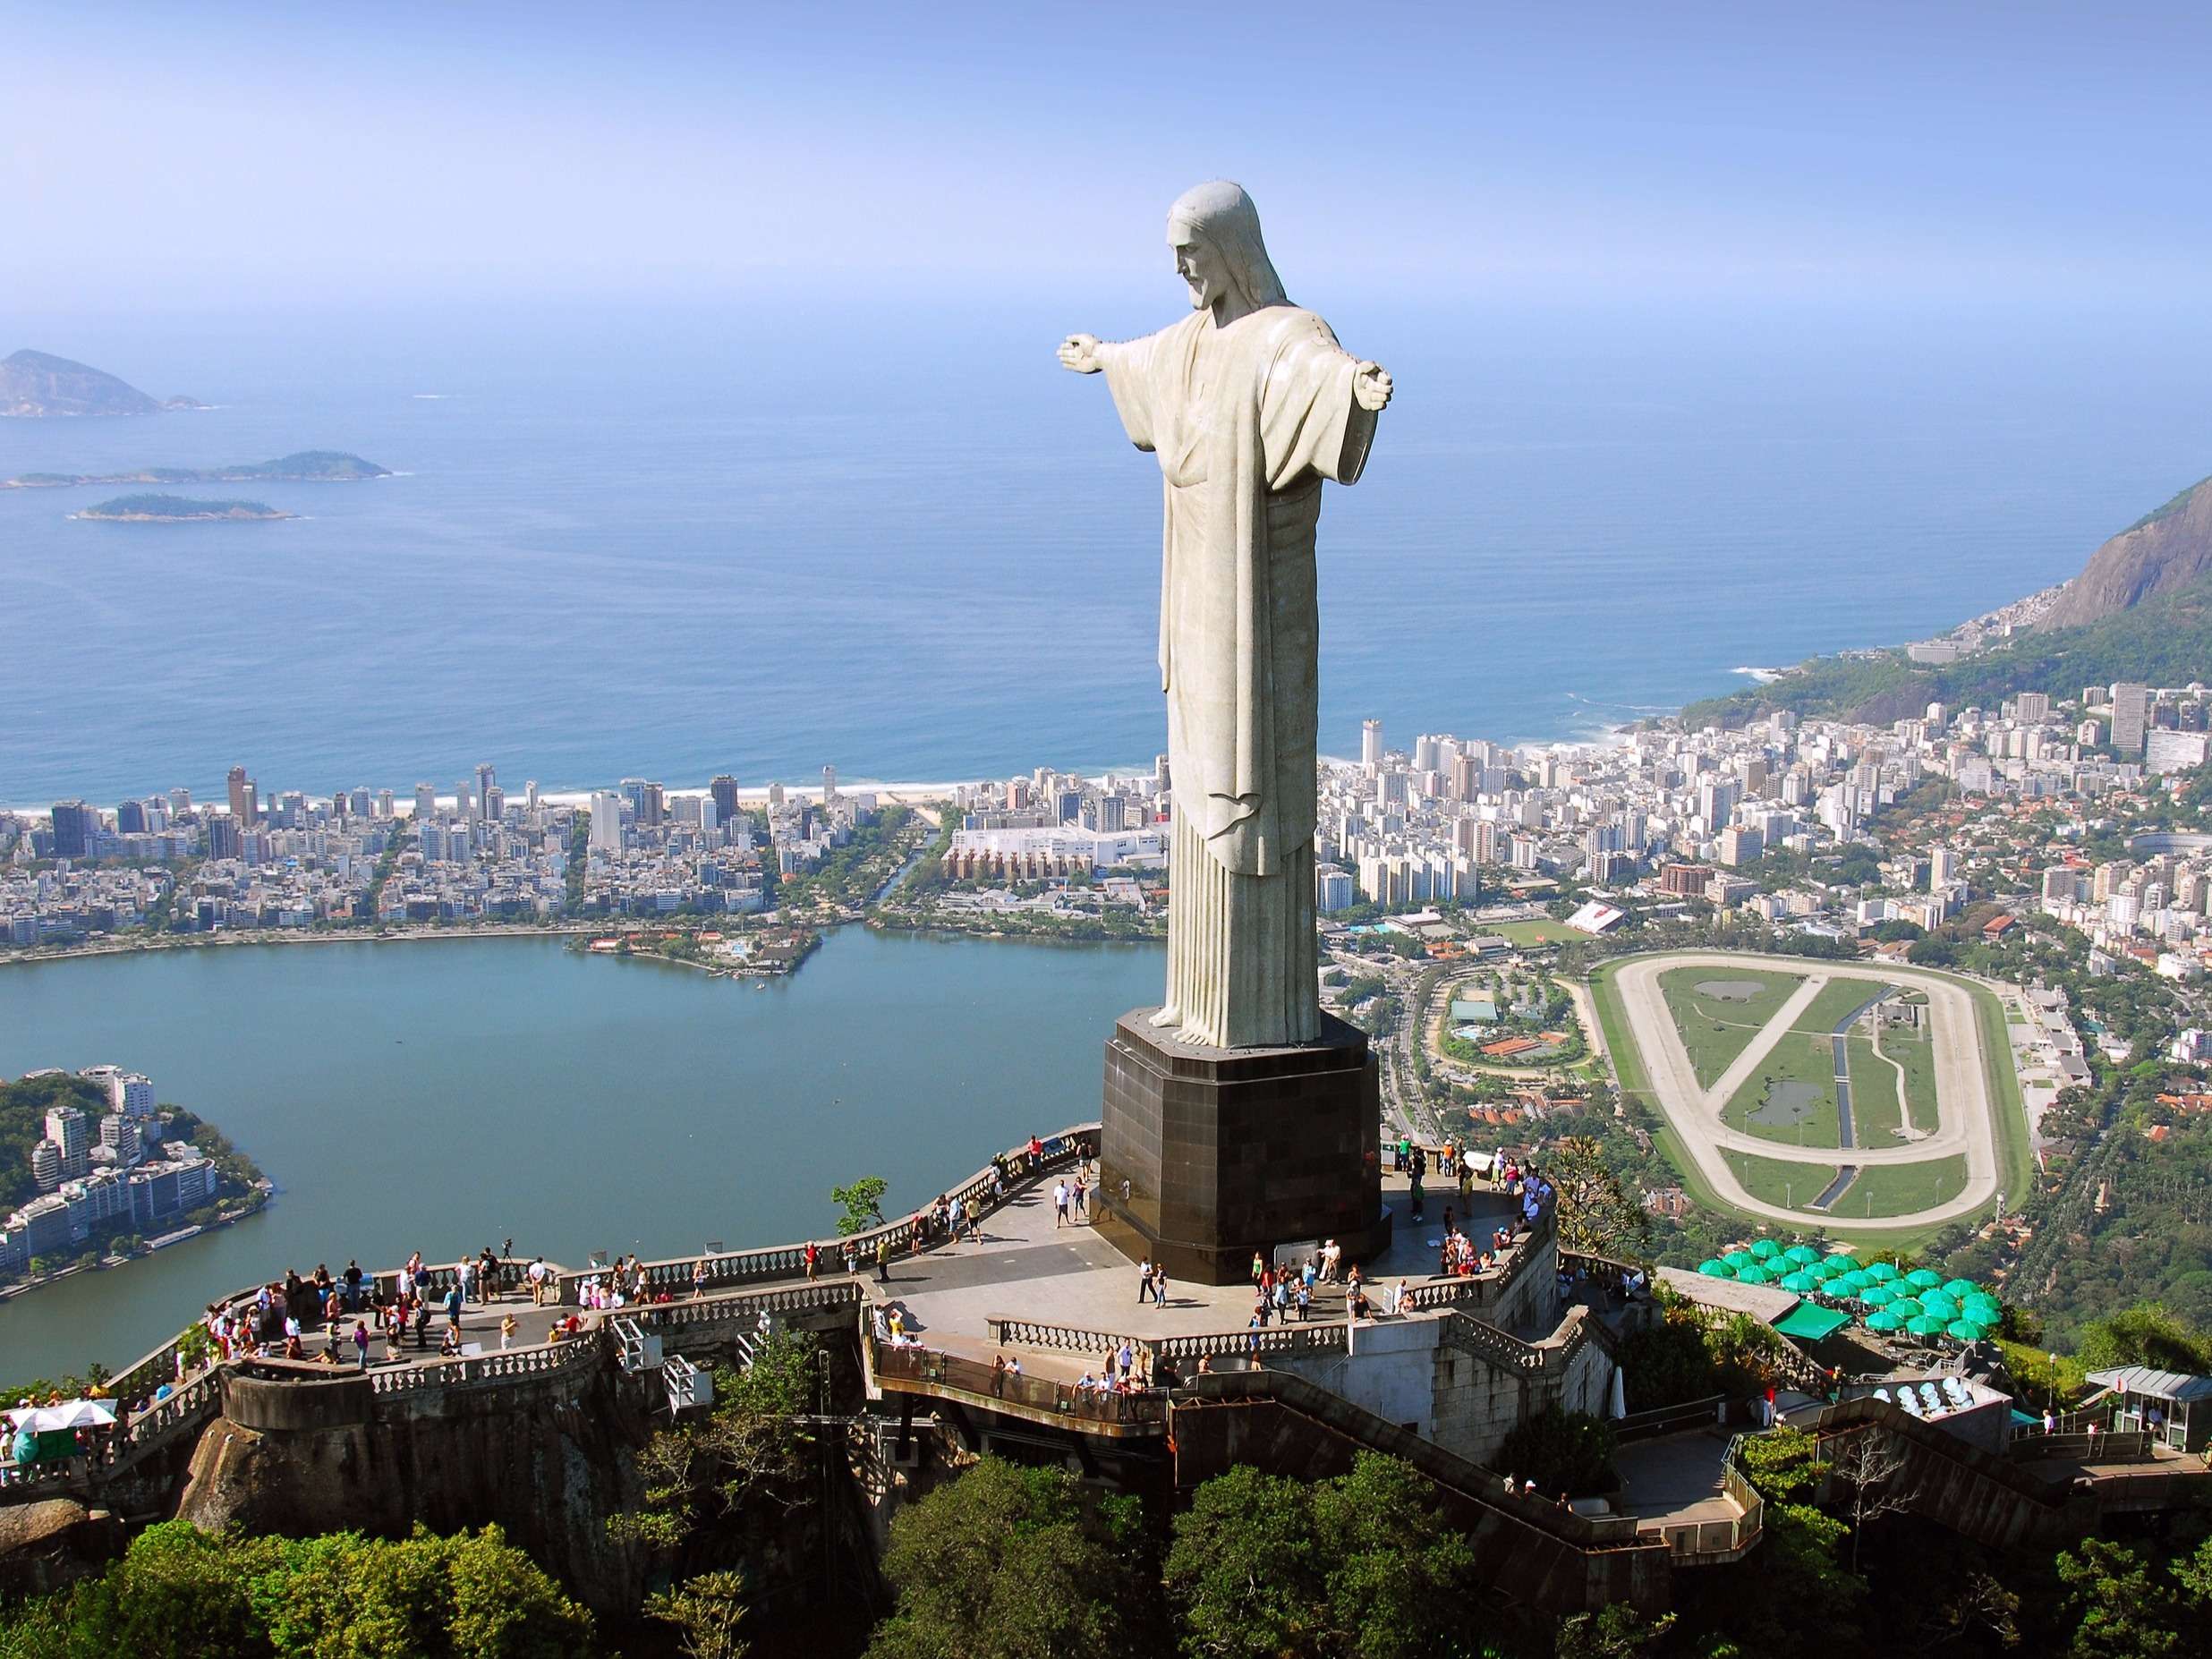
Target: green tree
2147, 1334
707, 1609
1009, 1562
1364, 1564
1596, 1214
2125, 1609
751, 1445
862, 1203
178, 1592
1569, 1451
1618, 1632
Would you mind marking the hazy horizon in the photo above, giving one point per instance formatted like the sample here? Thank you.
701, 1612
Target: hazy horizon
224, 157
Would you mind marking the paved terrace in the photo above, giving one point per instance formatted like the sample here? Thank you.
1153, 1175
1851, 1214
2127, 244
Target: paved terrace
1030, 1272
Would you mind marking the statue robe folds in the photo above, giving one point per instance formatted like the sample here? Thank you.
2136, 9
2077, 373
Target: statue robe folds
1248, 420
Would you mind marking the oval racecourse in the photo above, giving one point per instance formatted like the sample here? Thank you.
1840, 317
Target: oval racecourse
1866, 1097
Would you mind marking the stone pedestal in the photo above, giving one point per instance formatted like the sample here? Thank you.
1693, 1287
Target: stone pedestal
1227, 1151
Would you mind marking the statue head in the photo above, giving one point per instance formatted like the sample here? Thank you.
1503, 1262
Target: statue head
1215, 232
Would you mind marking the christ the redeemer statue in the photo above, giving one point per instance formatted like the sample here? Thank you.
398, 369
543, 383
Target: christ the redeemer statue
1249, 404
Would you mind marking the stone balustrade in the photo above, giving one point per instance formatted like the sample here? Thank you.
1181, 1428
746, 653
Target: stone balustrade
1264, 1342
1067, 1339
678, 1275
905, 1368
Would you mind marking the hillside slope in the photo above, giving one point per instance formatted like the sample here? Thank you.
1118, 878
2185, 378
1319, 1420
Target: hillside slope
34, 384
2166, 551
2165, 641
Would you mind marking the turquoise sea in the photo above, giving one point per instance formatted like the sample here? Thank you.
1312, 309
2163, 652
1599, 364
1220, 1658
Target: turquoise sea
891, 534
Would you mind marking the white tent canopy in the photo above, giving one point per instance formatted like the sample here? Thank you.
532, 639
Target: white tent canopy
75, 1414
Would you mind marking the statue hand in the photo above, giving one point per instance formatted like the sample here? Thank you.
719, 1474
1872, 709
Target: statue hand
1079, 351
1370, 387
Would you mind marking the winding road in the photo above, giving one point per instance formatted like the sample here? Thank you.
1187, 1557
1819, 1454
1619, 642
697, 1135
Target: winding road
1965, 1112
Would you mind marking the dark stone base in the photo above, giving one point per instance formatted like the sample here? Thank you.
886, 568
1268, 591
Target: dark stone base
1228, 1151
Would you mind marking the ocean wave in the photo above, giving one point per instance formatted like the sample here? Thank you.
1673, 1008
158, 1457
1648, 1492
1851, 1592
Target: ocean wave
1762, 677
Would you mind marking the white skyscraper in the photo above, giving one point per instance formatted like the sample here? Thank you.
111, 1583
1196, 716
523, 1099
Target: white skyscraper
1371, 743
606, 821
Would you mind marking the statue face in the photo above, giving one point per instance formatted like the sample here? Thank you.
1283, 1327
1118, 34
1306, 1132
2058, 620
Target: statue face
1200, 264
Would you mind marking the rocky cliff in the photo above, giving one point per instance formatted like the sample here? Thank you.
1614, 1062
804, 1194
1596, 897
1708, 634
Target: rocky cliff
2166, 551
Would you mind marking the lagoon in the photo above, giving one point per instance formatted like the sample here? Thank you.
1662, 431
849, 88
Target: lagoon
443, 1094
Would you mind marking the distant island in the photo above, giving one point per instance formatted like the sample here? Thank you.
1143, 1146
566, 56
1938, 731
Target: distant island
2140, 610
317, 466
178, 510
36, 384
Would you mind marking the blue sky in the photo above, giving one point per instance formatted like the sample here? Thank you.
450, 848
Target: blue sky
164, 156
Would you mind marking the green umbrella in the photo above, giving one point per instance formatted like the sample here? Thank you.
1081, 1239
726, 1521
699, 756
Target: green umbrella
1845, 1262
1938, 1305
1832, 1265
1961, 1289
1804, 1255
1906, 1307
1766, 1249
1712, 1268
1966, 1331
1753, 1275
1885, 1321
1854, 1281
1926, 1324
1879, 1296
1987, 1313
1923, 1278
1741, 1259
1881, 1273
1803, 1283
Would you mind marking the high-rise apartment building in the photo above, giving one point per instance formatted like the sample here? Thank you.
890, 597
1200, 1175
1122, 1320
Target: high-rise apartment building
2131, 718
131, 818
828, 783
606, 821
1371, 743
75, 823
724, 789
66, 1127
426, 803
244, 797
487, 780
225, 836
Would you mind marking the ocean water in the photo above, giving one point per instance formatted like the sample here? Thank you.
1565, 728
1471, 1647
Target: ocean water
895, 537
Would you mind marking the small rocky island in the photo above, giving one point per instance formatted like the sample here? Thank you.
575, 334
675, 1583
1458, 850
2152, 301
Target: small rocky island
178, 510
36, 384
309, 466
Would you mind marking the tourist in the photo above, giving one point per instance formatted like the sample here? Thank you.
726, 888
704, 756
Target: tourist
1160, 1284
507, 1327
1059, 1203
452, 1308
1258, 1267
699, 1277
813, 1262
1357, 1302
883, 1259
852, 1258
1145, 1279
998, 1376
1306, 1300
352, 1287
1128, 1358
1205, 1365
461, 1271
449, 1344
361, 1341
1082, 1196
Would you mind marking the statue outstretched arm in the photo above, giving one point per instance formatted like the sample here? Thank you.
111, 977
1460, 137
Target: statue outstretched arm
1085, 353
1371, 387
